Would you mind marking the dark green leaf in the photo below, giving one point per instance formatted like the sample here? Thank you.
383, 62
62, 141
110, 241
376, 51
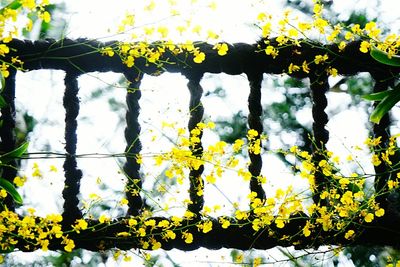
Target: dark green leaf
16, 153
377, 96
10, 188
385, 105
353, 187
3, 102
382, 57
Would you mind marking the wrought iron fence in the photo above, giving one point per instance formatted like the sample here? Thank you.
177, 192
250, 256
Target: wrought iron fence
76, 57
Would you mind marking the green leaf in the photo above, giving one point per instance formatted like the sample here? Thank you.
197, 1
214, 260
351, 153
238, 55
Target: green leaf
10, 188
16, 153
13, 5
382, 57
377, 96
385, 105
3, 82
3, 102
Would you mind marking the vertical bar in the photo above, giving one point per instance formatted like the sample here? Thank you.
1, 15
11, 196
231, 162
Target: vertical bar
382, 129
132, 131
7, 132
254, 121
196, 115
73, 175
319, 86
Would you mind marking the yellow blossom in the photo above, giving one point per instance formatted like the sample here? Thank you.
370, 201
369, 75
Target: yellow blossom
4, 49
188, 237
124, 202
364, 46
306, 229
369, 217
30, 4
81, 224
271, 51
305, 67
342, 45
19, 181
199, 57
45, 16
349, 234
69, 244
293, 68
380, 212
320, 58
3, 193
103, 219
107, 51
375, 160
222, 49
207, 227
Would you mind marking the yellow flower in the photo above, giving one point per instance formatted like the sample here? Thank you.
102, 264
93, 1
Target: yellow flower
107, 51
150, 223
305, 67
163, 31
380, 212
19, 181
69, 244
266, 29
261, 16
156, 245
317, 9
212, 35
53, 168
211, 178
129, 61
222, 49
81, 224
188, 237
306, 229
199, 57
320, 58
293, 68
303, 26
4, 49
207, 227
3, 193
225, 223
170, 234
28, 4
271, 51
257, 262
239, 258
332, 71
45, 16
123, 234
293, 33
349, 234
369, 217
103, 218
364, 46
280, 223
132, 222
375, 160
342, 45
124, 202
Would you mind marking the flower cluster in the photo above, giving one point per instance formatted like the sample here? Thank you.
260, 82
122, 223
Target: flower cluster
10, 15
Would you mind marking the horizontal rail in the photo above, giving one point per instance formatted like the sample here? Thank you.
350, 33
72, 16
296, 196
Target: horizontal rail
85, 56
